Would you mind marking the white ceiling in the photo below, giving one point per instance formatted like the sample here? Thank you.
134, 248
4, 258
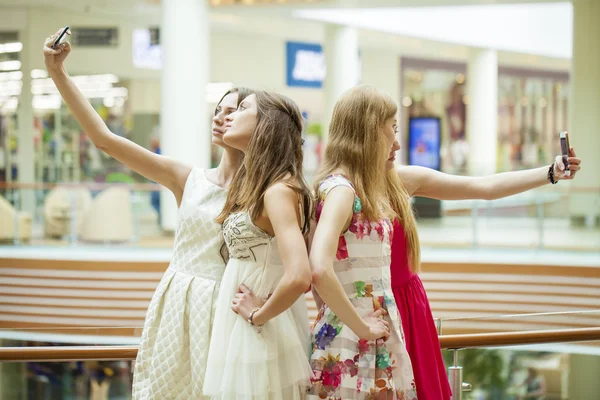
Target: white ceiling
536, 27
543, 29
111, 6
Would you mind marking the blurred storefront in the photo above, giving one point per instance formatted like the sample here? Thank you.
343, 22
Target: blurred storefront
532, 109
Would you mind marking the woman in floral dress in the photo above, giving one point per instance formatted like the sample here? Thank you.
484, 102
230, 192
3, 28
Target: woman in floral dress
358, 347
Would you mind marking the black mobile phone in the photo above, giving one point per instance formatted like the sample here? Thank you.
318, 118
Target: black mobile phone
61, 37
564, 147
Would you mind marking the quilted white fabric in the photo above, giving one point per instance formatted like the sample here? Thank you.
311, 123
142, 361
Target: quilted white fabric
171, 361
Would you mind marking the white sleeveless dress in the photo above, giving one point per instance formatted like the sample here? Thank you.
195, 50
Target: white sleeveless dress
172, 355
244, 364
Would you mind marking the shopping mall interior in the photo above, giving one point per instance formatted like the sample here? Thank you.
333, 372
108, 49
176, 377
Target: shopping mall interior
84, 240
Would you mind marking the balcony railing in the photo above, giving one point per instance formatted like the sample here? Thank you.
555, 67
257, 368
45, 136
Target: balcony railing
56, 213
450, 342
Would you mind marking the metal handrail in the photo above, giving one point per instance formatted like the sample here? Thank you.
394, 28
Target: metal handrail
105, 353
519, 338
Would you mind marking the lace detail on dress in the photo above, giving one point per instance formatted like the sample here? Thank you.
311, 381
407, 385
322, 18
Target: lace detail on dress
243, 238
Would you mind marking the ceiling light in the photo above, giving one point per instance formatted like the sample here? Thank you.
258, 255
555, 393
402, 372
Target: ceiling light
10, 65
39, 73
11, 47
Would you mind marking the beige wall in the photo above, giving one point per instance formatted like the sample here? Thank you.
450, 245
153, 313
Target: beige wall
584, 377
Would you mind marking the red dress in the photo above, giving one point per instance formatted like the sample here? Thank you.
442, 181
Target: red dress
420, 333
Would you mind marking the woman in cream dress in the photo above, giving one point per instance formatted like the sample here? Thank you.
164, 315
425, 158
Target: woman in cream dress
171, 361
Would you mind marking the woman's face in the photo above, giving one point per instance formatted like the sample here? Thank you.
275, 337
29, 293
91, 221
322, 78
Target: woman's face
240, 125
225, 107
390, 129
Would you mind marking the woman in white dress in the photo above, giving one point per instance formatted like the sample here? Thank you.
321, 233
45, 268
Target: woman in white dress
173, 350
256, 352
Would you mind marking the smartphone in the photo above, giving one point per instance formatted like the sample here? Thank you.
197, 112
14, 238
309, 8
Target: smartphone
61, 37
564, 147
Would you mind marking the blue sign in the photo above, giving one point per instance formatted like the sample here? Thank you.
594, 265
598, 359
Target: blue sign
305, 65
424, 142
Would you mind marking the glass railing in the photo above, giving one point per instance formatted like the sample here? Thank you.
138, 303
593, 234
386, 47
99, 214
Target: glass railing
501, 356
509, 373
491, 369
124, 215
81, 214
75, 380
75, 362
82, 374
539, 219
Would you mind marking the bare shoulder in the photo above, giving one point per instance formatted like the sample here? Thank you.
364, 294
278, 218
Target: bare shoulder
340, 195
281, 208
281, 192
337, 209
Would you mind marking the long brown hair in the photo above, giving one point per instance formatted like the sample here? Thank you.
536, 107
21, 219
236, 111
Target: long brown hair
242, 93
356, 144
274, 155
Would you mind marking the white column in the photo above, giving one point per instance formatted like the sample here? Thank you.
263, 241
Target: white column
584, 103
184, 133
25, 121
561, 124
549, 110
482, 111
343, 66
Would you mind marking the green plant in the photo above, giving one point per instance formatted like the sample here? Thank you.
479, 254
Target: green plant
315, 129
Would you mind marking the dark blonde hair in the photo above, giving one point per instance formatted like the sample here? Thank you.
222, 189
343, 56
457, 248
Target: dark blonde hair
274, 155
356, 143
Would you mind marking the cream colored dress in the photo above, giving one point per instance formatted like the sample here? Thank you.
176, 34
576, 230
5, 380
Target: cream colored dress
171, 360
243, 363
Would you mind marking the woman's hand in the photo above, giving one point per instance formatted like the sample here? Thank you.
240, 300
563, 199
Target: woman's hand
574, 166
245, 301
378, 328
54, 59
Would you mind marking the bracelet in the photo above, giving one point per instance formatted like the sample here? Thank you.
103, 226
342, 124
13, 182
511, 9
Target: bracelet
551, 175
252, 316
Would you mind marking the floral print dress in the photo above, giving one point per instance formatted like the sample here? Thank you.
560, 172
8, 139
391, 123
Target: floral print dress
344, 366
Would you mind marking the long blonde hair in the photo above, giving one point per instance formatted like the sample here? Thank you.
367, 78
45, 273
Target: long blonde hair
356, 144
274, 155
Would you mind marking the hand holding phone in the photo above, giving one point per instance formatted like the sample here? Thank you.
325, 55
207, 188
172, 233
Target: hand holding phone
57, 49
567, 164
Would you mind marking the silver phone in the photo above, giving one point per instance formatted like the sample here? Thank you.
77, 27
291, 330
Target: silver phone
61, 37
